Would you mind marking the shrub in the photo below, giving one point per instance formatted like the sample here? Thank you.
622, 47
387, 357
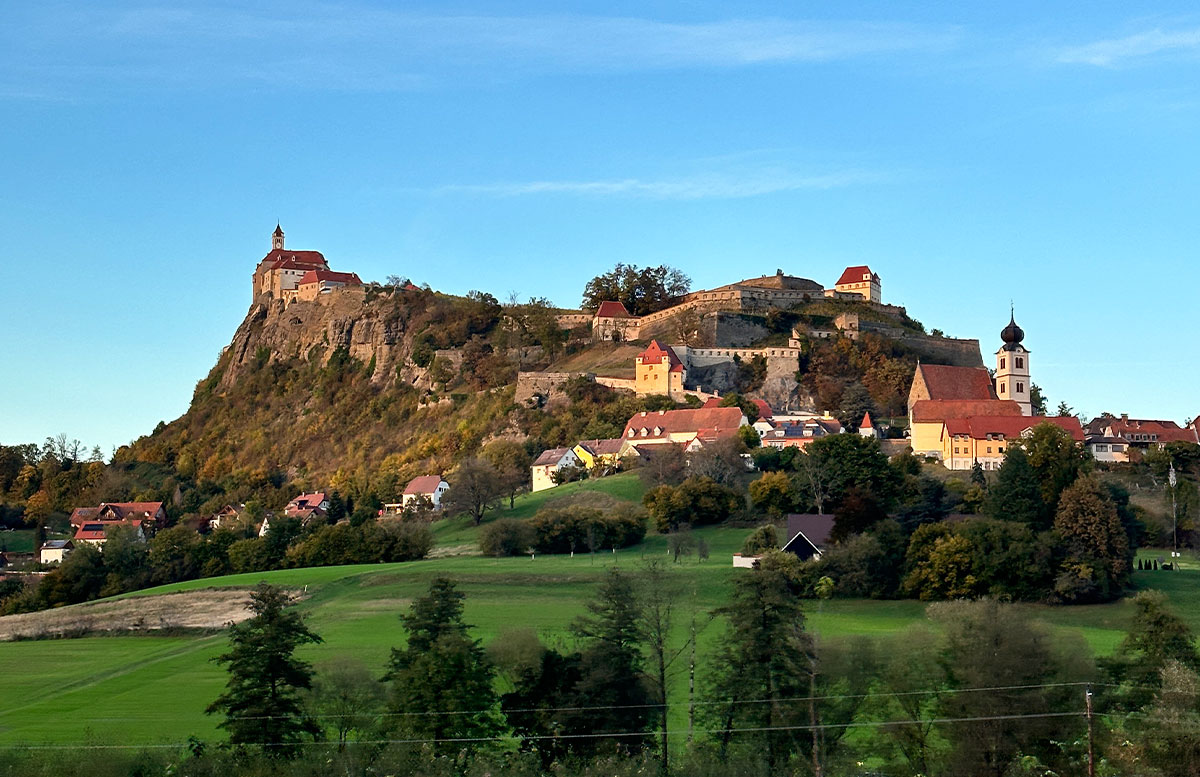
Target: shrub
762, 538
506, 537
698, 501
566, 530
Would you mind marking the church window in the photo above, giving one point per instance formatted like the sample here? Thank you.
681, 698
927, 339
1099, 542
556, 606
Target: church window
1020, 387
1001, 362
1002, 387
1020, 362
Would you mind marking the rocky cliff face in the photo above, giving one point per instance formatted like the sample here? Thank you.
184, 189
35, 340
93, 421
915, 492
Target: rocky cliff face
374, 330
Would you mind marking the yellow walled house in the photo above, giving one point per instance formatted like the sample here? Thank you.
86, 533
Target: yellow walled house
859, 281
602, 454
658, 370
928, 417
984, 439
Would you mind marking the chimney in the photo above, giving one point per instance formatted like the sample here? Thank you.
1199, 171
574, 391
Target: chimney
1124, 416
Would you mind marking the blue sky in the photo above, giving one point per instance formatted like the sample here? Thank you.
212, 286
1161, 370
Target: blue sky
970, 155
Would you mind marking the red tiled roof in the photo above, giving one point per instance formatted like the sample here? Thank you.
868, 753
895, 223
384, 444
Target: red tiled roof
1161, 431
1011, 426
305, 502
866, 422
855, 274
119, 509
713, 421
655, 353
95, 530
425, 484
946, 382
612, 310
286, 259
314, 276
81, 514
928, 410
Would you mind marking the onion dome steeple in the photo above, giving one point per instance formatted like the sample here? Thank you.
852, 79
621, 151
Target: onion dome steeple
1012, 335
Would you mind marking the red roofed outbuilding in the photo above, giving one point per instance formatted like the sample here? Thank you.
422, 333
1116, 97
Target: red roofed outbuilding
858, 281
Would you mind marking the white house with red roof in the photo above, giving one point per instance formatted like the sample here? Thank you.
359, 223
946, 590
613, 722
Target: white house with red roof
306, 506
857, 281
866, 428
96, 532
428, 487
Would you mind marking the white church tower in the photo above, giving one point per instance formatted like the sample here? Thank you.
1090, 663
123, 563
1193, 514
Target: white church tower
277, 239
1012, 368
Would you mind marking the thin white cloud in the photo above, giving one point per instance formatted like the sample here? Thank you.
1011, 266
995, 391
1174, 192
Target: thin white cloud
350, 47
711, 186
1116, 51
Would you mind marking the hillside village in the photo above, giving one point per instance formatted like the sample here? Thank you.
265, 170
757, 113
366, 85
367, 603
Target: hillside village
960, 415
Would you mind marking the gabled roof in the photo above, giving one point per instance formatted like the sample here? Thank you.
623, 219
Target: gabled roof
866, 422
714, 421
308, 500
315, 276
118, 509
57, 545
946, 382
1011, 427
95, 530
1162, 431
856, 275
655, 354
551, 457
811, 529
423, 485
613, 310
765, 413
602, 447
933, 410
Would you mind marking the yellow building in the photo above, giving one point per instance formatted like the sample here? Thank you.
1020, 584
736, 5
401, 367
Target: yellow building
861, 282
602, 454
658, 370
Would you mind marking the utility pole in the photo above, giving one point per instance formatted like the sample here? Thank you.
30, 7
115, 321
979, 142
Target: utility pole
1174, 519
1091, 741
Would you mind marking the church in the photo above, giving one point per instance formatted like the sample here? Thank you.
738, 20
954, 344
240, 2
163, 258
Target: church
964, 415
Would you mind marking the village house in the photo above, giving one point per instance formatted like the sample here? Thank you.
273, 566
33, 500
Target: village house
228, 516
984, 439
691, 428
601, 456
96, 532
150, 512
55, 551
1109, 438
807, 537
307, 506
798, 434
548, 463
928, 417
430, 488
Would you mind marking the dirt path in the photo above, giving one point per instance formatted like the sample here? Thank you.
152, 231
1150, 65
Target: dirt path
210, 609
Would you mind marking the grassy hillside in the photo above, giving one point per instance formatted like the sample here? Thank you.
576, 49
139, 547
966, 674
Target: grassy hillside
154, 689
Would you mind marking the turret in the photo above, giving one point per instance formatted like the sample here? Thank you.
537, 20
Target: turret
277, 238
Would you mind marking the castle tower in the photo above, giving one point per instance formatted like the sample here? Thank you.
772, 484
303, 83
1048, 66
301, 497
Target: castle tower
1012, 367
277, 238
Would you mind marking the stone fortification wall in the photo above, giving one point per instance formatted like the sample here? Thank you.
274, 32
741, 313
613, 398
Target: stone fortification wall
730, 330
546, 384
703, 357
620, 384
944, 350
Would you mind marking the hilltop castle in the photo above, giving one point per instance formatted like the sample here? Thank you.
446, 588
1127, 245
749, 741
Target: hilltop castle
296, 275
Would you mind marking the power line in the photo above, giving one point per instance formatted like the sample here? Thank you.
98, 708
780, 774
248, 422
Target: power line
658, 705
606, 735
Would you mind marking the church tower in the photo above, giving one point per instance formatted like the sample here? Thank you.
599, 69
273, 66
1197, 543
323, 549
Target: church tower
277, 239
1012, 367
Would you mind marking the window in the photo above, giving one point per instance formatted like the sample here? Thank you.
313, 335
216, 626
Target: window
1000, 449
989, 449
1002, 387
1001, 362
1101, 448
956, 450
1020, 362
1020, 387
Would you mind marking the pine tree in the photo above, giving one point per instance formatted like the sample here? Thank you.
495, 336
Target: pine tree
262, 703
1015, 496
440, 671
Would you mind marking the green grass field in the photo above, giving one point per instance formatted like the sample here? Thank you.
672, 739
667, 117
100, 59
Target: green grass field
140, 689
20, 541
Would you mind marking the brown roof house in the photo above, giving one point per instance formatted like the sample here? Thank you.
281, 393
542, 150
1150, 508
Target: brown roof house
550, 462
430, 488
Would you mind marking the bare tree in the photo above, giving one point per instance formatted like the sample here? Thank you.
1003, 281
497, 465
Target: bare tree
475, 488
815, 478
